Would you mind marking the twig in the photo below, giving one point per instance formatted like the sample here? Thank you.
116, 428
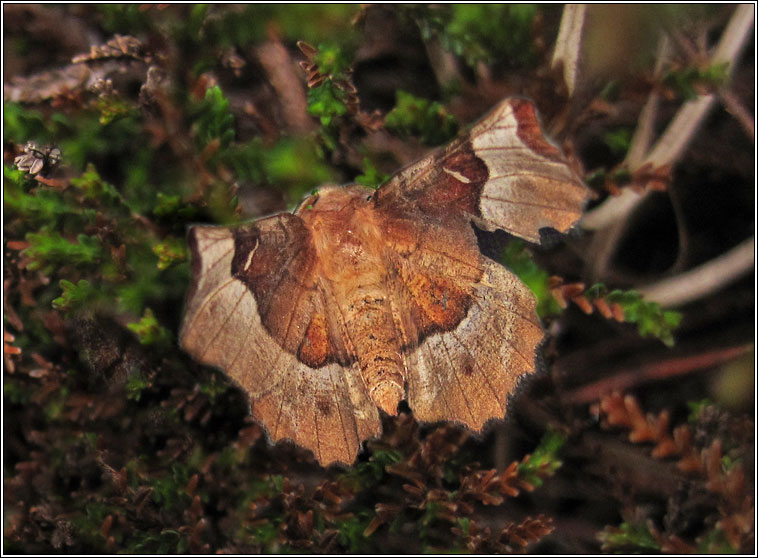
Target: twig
733, 105
443, 62
704, 279
616, 207
569, 43
280, 70
682, 128
626, 379
644, 133
611, 211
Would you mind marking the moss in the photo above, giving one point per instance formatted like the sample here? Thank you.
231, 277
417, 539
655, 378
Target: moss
371, 176
543, 461
516, 257
149, 331
429, 120
481, 32
629, 537
650, 318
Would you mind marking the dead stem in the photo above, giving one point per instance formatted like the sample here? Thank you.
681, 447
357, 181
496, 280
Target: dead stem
704, 279
624, 380
569, 44
736, 109
680, 132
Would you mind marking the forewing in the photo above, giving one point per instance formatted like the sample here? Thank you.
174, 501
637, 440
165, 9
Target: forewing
503, 174
434, 265
322, 406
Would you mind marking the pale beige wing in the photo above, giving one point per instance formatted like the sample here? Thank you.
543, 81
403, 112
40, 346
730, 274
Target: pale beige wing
467, 373
324, 409
503, 174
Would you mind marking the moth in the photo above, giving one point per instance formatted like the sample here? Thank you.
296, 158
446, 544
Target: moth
362, 298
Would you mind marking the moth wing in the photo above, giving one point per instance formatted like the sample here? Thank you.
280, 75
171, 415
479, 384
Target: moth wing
467, 373
322, 407
504, 174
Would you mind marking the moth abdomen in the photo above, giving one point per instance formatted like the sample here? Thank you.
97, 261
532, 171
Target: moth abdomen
377, 346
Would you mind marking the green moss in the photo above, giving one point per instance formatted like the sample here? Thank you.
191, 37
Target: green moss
56, 403
166, 541
295, 165
74, 296
149, 331
628, 537
93, 187
213, 120
543, 461
351, 532
517, 258
372, 471
46, 208
171, 252
214, 387
371, 176
240, 26
169, 490
650, 318
690, 81
49, 251
428, 120
481, 32
618, 140
113, 107
136, 384
326, 102
124, 18
716, 541
14, 391
21, 124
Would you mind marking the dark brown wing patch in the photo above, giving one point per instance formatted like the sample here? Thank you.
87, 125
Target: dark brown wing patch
274, 258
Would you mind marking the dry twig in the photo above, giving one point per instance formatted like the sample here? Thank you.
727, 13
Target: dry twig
680, 132
569, 44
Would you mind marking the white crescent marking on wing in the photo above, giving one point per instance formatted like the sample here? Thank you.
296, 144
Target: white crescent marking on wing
251, 254
457, 175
